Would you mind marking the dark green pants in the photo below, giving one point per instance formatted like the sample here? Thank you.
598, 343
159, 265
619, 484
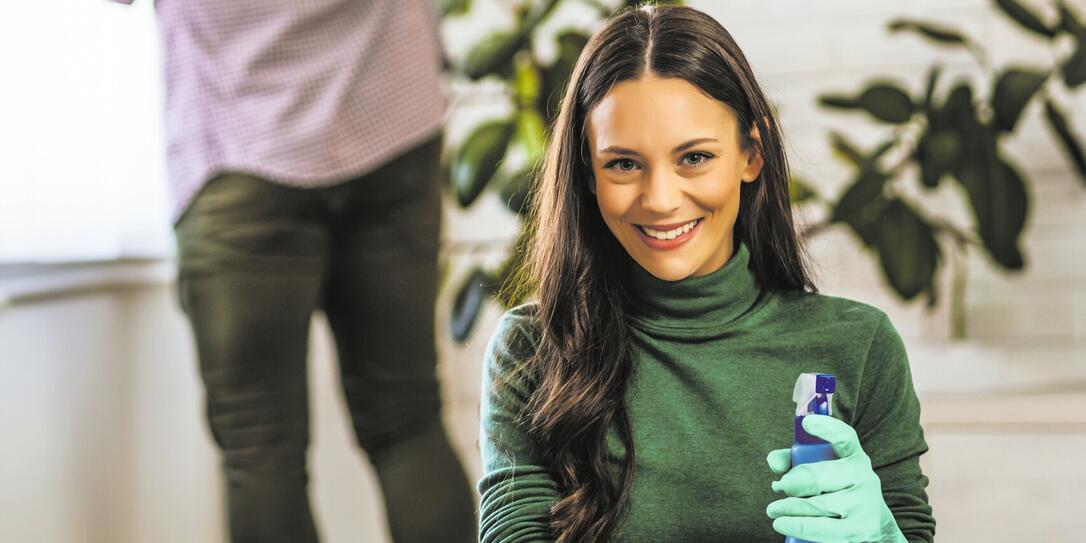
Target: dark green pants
256, 259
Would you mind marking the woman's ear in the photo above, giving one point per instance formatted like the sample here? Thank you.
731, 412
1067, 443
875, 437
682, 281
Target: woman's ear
755, 159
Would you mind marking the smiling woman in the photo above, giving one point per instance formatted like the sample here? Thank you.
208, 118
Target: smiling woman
659, 203
643, 394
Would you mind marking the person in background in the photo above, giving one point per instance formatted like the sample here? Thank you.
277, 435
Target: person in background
303, 144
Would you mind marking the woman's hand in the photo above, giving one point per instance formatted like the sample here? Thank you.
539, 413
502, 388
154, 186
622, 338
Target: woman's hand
832, 500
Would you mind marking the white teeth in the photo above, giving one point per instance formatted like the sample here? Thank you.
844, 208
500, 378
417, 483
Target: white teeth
670, 234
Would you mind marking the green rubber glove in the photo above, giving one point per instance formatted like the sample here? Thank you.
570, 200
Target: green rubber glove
833, 500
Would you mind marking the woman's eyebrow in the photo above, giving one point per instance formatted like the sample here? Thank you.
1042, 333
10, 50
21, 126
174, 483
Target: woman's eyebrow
682, 147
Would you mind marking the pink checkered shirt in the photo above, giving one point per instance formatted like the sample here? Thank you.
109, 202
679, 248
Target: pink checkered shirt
307, 93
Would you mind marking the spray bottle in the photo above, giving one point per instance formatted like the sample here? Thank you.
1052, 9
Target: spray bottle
812, 394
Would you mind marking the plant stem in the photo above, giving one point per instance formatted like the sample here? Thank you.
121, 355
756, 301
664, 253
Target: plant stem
957, 292
959, 251
962, 239
980, 56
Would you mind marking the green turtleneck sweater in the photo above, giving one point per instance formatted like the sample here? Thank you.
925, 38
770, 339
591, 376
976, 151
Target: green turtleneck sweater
716, 358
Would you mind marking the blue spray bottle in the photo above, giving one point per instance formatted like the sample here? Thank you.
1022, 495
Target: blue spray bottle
812, 395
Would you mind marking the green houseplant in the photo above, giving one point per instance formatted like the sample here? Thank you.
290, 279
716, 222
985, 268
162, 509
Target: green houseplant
954, 136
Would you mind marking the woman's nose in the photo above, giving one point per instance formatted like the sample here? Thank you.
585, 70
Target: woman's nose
661, 194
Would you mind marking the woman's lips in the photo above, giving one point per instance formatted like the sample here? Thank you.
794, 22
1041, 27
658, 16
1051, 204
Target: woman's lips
666, 227
667, 244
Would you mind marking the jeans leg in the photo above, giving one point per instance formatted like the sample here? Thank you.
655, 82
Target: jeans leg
251, 259
380, 304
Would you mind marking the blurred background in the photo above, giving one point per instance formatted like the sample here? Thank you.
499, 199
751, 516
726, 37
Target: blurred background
892, 112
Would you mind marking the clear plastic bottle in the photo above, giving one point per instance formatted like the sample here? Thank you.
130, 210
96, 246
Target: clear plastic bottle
813, 394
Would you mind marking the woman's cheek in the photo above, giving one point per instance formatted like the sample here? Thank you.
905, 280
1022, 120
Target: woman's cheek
724, 193
612, 201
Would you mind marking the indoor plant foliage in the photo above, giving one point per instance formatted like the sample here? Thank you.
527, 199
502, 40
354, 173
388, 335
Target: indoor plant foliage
953, 136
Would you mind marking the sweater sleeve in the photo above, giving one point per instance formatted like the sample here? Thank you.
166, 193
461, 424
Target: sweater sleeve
888, 425
516, 491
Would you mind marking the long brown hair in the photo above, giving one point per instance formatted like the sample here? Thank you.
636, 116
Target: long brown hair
583, 363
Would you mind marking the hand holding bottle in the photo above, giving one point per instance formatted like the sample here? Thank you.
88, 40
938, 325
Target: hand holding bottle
832, 500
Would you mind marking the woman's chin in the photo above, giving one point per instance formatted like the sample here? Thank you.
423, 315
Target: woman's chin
666, 268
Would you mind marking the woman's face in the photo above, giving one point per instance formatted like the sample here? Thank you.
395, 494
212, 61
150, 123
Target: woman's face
664, 155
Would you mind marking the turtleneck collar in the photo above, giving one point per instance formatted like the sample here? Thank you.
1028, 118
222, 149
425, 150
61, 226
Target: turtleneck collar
695, 304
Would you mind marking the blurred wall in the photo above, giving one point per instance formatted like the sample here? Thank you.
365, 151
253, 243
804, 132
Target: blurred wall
100, 408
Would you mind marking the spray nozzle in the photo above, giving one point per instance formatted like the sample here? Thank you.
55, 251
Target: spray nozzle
812, 393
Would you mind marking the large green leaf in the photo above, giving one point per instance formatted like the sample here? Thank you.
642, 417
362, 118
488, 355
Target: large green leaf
1024, 17
933, 31
883, 100
531, 137
555, 77
886, 102
448, 8
527, 81
978, 151
838, 101
937, 151
800, 191
907, 249
479, 158
860, 204
940, 148
1058, 123
1074, 68
516, 189
1013, 90
959, 110
492, 54
1009, 206
1069, 22
469, 301
863, 191
996, 193
538, 12
531, 134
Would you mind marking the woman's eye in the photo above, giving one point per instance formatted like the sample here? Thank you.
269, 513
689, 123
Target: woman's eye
702, 158
621, 161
